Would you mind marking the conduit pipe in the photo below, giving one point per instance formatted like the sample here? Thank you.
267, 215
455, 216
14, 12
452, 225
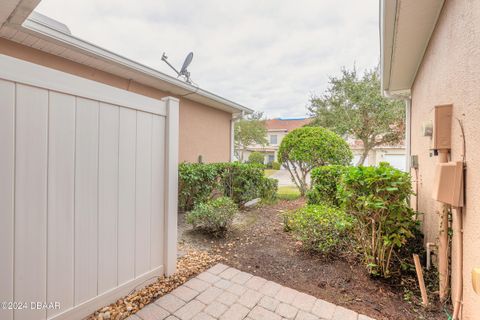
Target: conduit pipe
443, 238
458, 230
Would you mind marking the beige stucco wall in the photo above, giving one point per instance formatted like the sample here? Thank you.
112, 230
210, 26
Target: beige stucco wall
450, 73
203, 130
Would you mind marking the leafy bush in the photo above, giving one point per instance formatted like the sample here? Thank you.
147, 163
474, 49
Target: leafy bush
377, 197
196, 182
214, 216
321, 227
256, 157
325, 182
305, 148
241, 181
275, 165
244, 182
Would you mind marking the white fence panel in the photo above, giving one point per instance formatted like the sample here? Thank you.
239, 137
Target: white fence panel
87, 190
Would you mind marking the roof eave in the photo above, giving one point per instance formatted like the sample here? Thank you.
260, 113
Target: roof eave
403, 44
35, 26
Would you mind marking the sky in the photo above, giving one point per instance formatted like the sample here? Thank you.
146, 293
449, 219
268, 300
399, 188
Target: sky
270, 56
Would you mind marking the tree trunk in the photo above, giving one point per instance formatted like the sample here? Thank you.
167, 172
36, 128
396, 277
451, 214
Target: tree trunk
364, 155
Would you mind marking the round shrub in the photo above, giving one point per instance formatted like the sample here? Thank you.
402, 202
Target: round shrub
308, 147
321, 227
214, 216
256, 157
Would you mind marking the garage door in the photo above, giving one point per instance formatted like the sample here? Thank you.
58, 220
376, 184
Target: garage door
87, 190
398, 161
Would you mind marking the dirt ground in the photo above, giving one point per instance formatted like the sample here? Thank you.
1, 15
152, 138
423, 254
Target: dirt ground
258, 244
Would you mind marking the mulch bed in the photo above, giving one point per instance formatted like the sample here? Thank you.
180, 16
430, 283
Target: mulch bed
191, 264
258, 245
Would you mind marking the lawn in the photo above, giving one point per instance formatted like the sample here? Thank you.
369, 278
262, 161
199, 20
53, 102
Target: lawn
288, 193
269, 172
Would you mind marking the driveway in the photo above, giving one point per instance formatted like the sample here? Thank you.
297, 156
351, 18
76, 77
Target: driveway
284, 178
229, 294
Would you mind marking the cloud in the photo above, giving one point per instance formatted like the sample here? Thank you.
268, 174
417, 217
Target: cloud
267, 55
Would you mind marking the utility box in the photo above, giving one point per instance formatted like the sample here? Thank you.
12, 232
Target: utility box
442, 127
448, 183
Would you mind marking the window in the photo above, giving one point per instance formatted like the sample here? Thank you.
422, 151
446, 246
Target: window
273, 139
271, 158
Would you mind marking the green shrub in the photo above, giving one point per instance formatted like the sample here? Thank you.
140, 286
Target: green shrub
214, 216
306, 148
275, 165
243, 181
256, 157
377, 197
325, 182
268, 191
321, 227
240, 181
196, 183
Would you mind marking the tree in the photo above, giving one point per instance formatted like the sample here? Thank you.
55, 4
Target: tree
354, 107
256, 157
251, 130
305, 148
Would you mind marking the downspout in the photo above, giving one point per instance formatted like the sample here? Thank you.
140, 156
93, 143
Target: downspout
458, 230
408, 134
235, 117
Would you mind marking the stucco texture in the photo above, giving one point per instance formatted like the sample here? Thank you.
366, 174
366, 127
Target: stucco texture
450, 74
204, 130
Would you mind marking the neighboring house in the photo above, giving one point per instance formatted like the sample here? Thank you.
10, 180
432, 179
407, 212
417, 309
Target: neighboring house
89, 148
431, 57
393, 154
276, 130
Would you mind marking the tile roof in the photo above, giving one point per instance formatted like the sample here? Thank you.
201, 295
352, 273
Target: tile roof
286, 124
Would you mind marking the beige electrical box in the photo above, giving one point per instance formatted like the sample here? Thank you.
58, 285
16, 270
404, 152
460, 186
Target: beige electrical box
476, 280
448, 183
442, 127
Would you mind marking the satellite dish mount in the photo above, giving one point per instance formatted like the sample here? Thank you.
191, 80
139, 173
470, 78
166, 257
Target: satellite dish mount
183, 71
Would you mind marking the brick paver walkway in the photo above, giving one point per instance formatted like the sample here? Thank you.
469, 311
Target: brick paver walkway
229, 294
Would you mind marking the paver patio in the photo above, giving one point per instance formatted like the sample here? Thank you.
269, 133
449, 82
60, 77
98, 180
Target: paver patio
226, 293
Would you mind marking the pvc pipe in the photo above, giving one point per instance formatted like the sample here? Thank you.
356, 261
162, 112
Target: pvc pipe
458, 230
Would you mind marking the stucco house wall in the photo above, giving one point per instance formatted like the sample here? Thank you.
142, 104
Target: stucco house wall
450, 74
204, 130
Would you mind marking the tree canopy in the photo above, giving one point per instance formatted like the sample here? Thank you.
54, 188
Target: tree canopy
353, 106
305, 148
248, 131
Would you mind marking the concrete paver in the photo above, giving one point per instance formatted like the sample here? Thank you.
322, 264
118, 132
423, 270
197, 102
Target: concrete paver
225, 293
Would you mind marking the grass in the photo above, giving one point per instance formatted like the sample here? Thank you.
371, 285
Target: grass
288, 193
269, 172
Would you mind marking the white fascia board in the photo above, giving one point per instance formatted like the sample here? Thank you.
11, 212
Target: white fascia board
37, 28
388, 13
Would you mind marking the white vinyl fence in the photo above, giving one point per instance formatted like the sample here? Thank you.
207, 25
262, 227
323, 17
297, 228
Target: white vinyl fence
88, 192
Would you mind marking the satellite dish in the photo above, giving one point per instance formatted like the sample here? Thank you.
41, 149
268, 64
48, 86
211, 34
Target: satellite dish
186, 63
183, 71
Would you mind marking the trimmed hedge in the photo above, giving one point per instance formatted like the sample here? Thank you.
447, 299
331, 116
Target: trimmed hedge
241, 182
325, 181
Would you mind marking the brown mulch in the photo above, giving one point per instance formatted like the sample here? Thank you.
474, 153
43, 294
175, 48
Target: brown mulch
191, 264
258, 245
